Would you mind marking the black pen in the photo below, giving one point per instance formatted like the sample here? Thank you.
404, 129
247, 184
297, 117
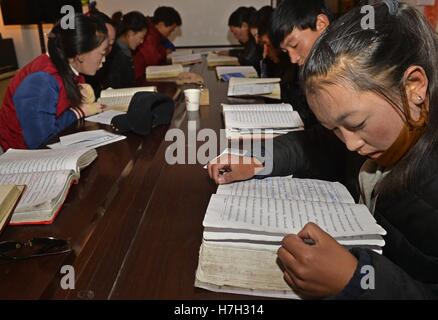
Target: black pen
309, 241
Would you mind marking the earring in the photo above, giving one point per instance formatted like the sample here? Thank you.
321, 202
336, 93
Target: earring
420, 99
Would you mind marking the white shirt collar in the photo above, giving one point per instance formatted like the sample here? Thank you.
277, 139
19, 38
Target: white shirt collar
74, 70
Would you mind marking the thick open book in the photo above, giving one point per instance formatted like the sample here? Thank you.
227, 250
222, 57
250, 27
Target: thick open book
48, 176
246, 221
179, 52
226, 73
186, 59
214, 60
260, 119
265, 87
9, 197
119, 99
164, 72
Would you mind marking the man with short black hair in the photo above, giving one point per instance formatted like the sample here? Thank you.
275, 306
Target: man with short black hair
156, 45
296, 25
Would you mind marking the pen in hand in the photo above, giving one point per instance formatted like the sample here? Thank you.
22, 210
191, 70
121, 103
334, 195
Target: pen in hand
309, 241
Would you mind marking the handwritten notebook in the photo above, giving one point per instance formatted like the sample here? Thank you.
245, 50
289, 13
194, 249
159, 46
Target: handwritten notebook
48, 175
9, 197
265, 87
251, 119
119, 99
246, 221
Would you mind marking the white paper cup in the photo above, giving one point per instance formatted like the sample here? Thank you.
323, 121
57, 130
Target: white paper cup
192, 99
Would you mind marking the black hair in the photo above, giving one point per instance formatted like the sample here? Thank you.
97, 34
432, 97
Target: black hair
301, 14
94, 12
253, 19
375, 60
132, 21
241, 15
63, 44
264, 20
168, 15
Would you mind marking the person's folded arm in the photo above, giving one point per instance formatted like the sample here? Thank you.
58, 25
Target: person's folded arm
36, 101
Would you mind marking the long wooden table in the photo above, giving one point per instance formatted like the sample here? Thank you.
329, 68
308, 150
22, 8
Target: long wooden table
135, 222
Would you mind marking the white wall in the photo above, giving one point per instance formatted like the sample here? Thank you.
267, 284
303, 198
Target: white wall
204, 22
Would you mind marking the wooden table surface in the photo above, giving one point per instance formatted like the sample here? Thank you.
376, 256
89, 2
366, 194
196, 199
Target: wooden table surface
135, 222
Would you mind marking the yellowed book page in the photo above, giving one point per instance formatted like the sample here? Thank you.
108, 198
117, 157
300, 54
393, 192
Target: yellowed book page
240, 267
164, 72
9, 195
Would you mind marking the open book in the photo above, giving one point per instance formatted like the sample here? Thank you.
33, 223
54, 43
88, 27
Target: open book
246, 221
265, 87
119, 99
9, 197
227, 73
186, 59
214, 60
164, 72
48, 175
259, 119
179, 52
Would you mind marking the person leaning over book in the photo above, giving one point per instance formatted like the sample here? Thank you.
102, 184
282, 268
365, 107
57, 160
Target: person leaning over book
239, 24
96, 81
46, 96
131, 30
156, 45
295, 27
378, 91
276, 64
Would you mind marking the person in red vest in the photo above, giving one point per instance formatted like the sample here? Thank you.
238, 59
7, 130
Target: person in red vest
156, 44
48, 95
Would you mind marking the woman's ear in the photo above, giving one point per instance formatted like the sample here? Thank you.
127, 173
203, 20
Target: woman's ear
322, 23
416, 84
244, 26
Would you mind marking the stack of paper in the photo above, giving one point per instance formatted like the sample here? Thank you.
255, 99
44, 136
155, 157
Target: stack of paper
164, 72
87, 140
246, 221
214, 60
227, 73
267, 120
265, 87
105, 117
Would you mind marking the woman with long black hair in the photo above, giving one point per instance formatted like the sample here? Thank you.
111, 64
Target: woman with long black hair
46, 96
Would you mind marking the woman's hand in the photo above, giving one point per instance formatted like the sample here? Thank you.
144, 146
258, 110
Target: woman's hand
87, 93
92, 108
230, 168
319, 270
